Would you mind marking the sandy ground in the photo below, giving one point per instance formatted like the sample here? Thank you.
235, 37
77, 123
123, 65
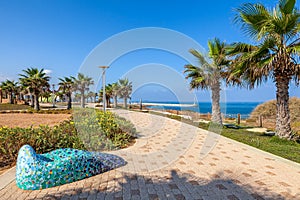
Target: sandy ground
26, 119
260, 130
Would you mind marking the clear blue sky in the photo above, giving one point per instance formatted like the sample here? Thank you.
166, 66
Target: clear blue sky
58, 35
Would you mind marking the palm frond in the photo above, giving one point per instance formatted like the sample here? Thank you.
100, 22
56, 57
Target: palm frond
253, 19
287, 6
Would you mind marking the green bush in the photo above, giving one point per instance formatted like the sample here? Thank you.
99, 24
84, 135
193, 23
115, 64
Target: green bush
103, 131
89, 129
42, 139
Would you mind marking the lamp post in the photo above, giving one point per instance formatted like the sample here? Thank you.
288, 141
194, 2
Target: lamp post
103, 85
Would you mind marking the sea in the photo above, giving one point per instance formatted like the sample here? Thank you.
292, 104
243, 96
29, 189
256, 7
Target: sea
228, 109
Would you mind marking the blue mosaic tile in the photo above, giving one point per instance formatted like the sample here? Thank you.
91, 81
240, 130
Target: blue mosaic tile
61, 166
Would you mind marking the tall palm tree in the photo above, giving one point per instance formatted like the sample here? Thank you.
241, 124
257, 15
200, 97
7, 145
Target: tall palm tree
125, 90
108, 94
82, 84
275, 56
66, 85
11, 88
115, 93
35, 80
91, 95
209, 75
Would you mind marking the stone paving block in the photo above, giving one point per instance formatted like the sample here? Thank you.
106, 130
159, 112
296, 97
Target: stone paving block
109, 196
150, 189
92, 196
187, 176
100, 196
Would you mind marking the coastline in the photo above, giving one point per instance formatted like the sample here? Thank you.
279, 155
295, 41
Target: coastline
203, 109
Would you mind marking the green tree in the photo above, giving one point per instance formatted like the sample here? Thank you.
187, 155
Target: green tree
91, 95
82, 84
35, 81
208, 75
125, 90
108, 94
11, 87
275, 54
66, 86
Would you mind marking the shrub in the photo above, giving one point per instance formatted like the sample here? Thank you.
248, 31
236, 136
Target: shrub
103, 131
43, 139
89, 129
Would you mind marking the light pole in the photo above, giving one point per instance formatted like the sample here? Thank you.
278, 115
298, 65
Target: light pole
103, 85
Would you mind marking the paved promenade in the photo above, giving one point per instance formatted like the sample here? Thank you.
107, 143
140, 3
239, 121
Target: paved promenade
173, 160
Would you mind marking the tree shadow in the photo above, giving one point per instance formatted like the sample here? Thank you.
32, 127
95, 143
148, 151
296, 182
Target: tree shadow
174, 185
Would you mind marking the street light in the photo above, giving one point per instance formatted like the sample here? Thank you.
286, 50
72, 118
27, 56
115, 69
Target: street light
103, 85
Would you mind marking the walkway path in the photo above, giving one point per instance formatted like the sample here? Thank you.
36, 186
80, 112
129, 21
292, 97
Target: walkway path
173, 160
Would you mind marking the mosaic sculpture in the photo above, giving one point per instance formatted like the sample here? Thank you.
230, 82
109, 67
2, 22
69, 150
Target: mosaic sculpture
61, 166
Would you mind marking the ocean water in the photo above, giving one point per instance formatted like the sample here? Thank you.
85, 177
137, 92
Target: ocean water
229, 109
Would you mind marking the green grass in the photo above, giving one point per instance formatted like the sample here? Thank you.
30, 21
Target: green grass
6, 106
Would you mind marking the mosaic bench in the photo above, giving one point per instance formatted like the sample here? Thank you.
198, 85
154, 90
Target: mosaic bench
61, 166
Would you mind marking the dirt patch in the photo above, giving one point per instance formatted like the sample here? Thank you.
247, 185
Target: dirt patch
27, 120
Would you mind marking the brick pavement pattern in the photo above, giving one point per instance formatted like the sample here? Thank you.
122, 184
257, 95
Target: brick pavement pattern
173, 160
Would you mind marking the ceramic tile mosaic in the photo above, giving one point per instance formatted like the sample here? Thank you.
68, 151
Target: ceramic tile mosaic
61, 166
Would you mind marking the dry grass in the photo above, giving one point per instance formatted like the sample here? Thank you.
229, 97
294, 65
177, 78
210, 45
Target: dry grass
268, 111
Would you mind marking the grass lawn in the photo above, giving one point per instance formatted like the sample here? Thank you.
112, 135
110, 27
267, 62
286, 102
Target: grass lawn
6, 106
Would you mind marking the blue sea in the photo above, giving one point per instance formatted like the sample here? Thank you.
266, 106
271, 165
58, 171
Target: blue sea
229, 109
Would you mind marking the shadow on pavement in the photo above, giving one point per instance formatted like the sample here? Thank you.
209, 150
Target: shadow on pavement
171, 186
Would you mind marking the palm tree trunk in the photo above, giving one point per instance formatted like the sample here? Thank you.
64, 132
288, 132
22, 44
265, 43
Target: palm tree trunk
125, 102
216, 111
115, 101
32, 101
69, 101
11, 98
82, 99
0, 95
36, 103
107, 101
283, 122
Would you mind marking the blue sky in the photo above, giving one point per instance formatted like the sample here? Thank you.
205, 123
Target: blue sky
58, 35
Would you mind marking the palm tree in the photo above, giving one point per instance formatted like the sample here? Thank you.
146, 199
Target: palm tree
115, 93
125, 90
108, 94
82, 84
66, 85
91, 96
11, 88
210, 75
35, 81
276, 32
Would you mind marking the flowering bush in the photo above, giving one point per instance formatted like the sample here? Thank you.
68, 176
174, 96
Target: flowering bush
103, 131
42, 139
89, 129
